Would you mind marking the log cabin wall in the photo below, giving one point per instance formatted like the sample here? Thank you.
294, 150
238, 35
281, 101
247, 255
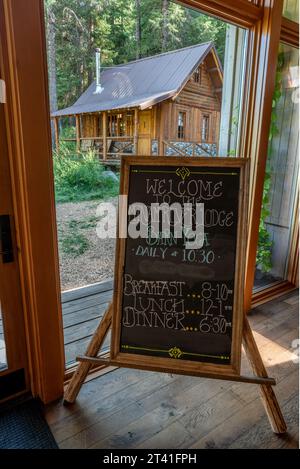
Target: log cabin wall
196, 100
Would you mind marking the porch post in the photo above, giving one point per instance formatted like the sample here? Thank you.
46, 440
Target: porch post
135, 131
160, 132
104, 134
78, 134
56, 131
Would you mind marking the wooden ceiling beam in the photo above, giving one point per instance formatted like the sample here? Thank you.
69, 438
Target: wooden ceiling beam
239, 12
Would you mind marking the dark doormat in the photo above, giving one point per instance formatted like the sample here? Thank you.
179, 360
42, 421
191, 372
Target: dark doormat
24, 427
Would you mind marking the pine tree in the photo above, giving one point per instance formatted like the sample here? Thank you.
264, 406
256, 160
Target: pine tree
165, 25
138, 30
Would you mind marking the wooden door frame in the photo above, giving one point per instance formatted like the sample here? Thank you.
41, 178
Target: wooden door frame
277, 29
11, 305
32, 172
29, 136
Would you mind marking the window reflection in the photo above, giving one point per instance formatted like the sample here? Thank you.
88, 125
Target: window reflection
281, 173
291, 10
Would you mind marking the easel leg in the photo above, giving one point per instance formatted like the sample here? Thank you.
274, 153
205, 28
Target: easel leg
268, 395
92, 351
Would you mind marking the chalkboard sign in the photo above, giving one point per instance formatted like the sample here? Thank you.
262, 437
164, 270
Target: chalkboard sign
179, 272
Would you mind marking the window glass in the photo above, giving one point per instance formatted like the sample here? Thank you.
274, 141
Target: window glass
291, 10
181, 124
205, 128
281, 173
197, 75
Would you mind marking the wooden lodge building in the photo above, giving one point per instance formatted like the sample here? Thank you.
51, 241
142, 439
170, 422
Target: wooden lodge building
168, 104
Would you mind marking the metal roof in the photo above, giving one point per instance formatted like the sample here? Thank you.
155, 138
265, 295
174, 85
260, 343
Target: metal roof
141, 83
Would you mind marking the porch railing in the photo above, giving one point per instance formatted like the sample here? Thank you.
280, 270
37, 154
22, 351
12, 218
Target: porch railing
118, 146
182, 148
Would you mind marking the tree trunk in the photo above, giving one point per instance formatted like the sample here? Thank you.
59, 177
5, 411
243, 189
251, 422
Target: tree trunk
91, 53
138, 29
51, 25
165, 24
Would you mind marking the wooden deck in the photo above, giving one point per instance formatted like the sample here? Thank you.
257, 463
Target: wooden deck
82, 309
136, 409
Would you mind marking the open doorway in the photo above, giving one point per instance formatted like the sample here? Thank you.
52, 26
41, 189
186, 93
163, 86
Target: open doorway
139, 77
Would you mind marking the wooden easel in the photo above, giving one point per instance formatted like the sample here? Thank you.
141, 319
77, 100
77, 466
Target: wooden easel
269, 398
236, 168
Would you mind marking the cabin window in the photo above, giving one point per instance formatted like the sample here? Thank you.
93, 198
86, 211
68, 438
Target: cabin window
197, 76
205, 128
181, 125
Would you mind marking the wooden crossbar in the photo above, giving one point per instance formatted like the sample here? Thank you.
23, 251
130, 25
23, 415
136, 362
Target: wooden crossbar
118, 363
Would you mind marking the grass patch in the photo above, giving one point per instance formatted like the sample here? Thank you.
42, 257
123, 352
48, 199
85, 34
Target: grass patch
74, 244
83, 224
72, 241
81, 177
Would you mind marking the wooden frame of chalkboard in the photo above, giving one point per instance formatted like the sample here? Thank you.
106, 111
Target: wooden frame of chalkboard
153, 358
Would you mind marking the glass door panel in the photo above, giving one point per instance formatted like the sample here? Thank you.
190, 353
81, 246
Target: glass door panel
280, 186
202, 119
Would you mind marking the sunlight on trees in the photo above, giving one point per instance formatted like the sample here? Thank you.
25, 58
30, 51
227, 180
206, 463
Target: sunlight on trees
124, 30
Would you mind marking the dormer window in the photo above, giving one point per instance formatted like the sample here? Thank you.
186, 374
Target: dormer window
197, 76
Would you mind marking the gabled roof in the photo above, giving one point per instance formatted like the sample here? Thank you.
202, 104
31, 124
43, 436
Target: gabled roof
143, 82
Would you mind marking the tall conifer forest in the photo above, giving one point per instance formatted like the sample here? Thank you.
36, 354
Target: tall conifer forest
124, 30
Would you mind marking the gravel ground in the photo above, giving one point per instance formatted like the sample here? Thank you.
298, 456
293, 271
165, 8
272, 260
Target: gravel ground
84, 258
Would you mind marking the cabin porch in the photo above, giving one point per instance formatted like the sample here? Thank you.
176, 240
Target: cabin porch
130, 132
110, 135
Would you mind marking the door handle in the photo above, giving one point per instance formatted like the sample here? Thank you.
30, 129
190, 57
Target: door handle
6, 245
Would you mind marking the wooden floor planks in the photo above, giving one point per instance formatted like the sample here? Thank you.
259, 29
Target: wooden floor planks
136, 409
82, 310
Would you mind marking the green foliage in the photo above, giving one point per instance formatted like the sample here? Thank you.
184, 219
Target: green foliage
81, 26
80, 177
263, 258
67, 131
72, 240
264, 250
83, 224
74, 243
